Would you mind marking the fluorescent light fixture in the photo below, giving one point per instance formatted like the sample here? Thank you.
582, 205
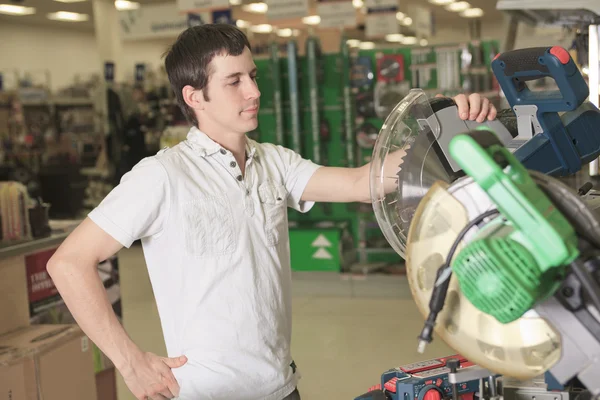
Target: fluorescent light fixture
409, 40
286, 32
312, 20
458, 7
407, 21
358, 3
441, 2
240, 23
68, 16
472, 13
424, 42
262, 28
235, 2
400, 16
366, 45
257, 8
353, 42
125, 5
12, 9
394, 37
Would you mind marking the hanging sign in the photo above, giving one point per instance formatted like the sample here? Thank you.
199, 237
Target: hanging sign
336, 14
286, 9
381, 18
196, 5
140, 72
222, 17
109, 71
422, 21
158, 21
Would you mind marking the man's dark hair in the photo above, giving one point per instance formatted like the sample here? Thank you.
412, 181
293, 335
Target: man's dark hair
187, 61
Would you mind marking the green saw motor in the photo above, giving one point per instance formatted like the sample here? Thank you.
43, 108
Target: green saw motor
521, 257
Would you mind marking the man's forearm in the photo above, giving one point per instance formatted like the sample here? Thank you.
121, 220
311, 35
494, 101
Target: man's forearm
82, 290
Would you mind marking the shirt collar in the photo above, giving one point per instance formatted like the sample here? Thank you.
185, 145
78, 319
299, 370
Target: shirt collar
205, 146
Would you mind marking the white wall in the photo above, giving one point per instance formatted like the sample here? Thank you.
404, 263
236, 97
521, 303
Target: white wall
37, 48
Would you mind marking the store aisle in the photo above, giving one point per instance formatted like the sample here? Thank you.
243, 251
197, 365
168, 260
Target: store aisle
346, 331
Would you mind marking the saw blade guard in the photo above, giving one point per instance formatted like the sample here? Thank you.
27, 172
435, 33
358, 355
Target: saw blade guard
404, 166
522, 349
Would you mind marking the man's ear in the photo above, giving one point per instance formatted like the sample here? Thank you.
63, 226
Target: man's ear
193, 97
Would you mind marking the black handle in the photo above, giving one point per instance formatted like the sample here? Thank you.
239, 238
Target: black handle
525, 60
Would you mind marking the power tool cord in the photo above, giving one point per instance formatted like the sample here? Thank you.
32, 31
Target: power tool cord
438, 296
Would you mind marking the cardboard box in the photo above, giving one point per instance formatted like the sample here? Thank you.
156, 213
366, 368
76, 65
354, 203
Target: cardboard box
46, 362
14, 304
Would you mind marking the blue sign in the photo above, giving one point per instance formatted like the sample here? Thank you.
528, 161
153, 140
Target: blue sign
195, 20
109, 71
222, 17
140, 72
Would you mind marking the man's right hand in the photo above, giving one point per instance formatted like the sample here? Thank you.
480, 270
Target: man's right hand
149, 377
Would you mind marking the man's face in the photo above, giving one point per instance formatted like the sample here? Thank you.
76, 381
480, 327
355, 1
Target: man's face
233, 95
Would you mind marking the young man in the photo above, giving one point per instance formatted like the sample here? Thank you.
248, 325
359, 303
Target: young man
212, 216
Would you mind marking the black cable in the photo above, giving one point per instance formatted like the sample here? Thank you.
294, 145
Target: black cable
438, 296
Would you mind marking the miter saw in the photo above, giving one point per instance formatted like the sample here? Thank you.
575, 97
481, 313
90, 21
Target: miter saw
502, 258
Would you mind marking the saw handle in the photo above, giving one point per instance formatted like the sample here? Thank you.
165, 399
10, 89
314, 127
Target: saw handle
514, 68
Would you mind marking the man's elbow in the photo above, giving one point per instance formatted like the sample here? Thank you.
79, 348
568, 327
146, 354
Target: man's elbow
53, 266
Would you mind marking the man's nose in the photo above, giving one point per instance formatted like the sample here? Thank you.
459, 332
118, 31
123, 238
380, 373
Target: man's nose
252, 91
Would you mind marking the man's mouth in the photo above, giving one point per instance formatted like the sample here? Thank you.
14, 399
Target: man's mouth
251, 109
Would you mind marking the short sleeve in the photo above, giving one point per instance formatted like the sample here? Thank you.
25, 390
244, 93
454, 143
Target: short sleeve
298, 172
138, 206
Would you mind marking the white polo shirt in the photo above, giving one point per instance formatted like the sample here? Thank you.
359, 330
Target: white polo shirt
217, 249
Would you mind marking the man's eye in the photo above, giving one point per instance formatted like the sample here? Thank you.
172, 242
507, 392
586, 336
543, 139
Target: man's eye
235, 83
254, 78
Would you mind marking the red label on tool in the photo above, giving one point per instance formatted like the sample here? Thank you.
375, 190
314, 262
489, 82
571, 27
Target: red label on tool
391, 385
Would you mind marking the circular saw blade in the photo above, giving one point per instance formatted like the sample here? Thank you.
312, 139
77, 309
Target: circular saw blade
406, 162
522, 349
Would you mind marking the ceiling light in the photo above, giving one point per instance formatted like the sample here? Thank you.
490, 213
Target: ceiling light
70, 1
353, 42
423, 42
240, 23
458, 7
394, 37
407, 21
286, 32
358, 3
235, 2
409, 40
472, 13
124, 5
400, 16
258, 8
68, 16
441, 2
262, 28
366, 45
11, 9
312, 20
